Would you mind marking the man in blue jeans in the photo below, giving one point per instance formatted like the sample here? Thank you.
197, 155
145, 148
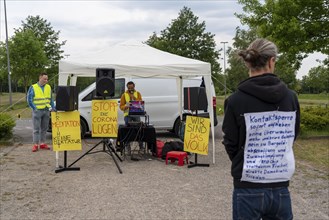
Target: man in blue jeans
39, 98
260, 124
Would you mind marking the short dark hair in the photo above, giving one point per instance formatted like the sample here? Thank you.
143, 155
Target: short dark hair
130, 83
43, 73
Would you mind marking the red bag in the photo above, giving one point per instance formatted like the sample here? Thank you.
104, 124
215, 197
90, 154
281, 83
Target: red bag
160, 145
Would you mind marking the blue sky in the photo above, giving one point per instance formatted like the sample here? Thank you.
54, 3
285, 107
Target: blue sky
91, 25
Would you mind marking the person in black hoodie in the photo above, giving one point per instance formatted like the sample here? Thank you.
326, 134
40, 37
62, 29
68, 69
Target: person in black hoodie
261, 122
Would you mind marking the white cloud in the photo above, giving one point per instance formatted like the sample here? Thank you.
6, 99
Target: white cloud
91, 25
310, 62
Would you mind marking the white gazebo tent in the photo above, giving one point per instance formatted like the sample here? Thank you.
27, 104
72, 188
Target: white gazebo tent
134, 59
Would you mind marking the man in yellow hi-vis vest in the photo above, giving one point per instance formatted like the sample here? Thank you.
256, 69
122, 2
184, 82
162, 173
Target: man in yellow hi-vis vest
39, 98
129, 95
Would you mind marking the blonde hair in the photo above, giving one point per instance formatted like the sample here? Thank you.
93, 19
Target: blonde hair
258, 53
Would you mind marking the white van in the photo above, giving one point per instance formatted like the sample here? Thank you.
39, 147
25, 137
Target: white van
160, 96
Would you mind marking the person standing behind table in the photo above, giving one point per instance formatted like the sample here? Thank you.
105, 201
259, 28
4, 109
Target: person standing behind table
129, 95
262, 92
39, 98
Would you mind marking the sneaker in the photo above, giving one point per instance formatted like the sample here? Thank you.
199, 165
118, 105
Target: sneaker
35, 148
44, 146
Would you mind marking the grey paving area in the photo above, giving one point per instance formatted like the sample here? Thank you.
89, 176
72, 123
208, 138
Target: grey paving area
147, 189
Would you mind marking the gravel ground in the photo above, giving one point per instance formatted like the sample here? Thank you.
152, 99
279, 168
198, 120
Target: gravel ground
147, 189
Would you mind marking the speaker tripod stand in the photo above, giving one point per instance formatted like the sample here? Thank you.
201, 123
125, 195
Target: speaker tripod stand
107, 148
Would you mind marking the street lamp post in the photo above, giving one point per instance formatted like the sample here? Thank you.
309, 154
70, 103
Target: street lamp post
224, 67
8, 61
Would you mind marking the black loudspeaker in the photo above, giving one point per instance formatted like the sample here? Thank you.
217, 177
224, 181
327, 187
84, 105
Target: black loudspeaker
105, 82
195, 98
67, 98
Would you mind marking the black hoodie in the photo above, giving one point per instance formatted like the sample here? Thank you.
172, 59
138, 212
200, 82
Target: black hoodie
256, 94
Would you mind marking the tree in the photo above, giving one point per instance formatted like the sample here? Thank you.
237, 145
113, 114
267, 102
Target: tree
186, 37
286, 71
28, 58
297, 27
317, 80
238, 70
3, 66
45, 33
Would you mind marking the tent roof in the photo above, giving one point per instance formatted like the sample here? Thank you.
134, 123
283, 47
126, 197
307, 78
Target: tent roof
134, 59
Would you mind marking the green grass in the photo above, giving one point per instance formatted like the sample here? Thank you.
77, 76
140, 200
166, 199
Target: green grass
21, 113
321, 96
304, 100
19, 105
220, 105
313, 151
313, 99
315, 133
16, 98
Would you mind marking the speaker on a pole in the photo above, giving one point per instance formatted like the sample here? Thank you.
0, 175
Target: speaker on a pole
195, 98
105, 82
67, 98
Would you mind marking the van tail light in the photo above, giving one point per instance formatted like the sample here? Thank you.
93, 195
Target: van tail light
214, 101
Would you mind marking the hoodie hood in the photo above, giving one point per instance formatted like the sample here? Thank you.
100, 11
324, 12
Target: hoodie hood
267, 87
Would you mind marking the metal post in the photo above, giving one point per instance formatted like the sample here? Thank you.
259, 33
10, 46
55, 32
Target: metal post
224, 68
8, 61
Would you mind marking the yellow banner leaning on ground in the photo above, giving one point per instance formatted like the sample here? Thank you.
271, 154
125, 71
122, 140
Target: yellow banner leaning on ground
66, 131
196, 136
104, 118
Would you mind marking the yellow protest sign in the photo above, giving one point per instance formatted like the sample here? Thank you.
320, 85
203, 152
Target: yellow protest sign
196, 136
104, 118
66, 131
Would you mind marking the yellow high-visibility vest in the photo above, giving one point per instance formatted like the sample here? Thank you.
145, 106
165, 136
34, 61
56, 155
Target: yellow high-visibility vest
127, 97
41, 98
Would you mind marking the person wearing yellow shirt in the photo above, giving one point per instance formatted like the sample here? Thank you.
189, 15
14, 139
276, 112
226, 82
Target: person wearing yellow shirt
129, 95
39, 98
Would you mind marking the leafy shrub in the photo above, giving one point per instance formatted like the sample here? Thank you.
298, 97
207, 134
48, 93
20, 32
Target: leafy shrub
314, 118
320, 111
7, 123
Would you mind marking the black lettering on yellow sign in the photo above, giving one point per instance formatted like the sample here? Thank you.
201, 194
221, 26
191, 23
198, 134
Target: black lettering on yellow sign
66, 131
66, 139
195, 145
104, 106
104, 118
196, 135
69, 123
104, 128
197, 125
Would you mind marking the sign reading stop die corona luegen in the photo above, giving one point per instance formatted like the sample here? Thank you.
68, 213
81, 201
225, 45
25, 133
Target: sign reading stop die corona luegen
104, 116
